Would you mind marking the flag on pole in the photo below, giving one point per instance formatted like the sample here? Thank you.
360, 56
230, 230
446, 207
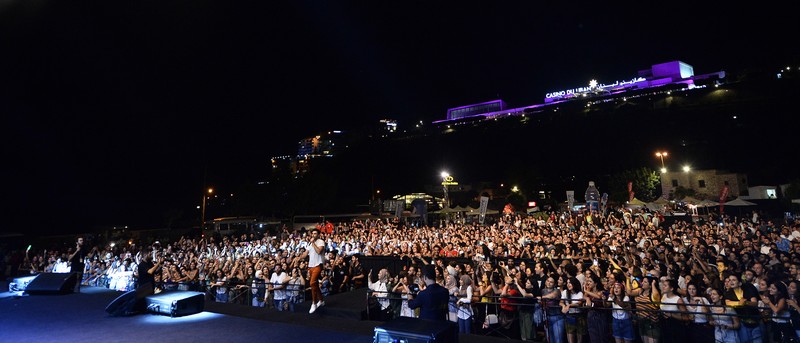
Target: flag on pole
399, 207
630, 191
723, 195
570, 199
604, 202
483, 206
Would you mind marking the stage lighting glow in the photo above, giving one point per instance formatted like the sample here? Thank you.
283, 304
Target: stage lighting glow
197, 317
175, 296
19, 284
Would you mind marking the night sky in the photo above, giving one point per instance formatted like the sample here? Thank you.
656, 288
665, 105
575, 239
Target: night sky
114, 111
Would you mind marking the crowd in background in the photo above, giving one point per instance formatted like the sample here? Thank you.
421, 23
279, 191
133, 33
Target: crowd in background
628, 275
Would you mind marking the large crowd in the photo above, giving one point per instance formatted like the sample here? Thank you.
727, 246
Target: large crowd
624, 276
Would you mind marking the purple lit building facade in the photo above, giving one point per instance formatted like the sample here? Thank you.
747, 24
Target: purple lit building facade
674, 73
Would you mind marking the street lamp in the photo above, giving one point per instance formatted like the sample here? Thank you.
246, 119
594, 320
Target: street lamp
687, 168
661, 155
445, 179
203, 215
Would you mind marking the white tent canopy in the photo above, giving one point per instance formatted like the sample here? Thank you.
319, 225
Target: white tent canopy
740, 202
653, 206
690, 200
707, 203
661, 201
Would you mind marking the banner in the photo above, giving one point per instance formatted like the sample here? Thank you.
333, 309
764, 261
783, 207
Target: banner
723, 195
604, 202
420, 207
630, 191
399, 207
484, 205
570, 199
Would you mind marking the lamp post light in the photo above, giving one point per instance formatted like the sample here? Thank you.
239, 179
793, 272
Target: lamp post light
203, 211
445, 178
661, 155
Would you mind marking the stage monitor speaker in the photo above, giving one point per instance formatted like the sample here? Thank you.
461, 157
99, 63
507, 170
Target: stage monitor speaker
176, 303
414, 330
52, 283
19, 284
130, 302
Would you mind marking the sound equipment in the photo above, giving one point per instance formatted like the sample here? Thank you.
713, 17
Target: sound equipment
52, 283
414, 330
176, 303
19, 284
130, 302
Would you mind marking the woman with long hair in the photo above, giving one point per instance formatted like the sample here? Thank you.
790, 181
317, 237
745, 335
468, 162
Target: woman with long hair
697, 306
464, 304
403, 287
597, 320
794, 307
724, 319
673, 312
646, 298
551, 297
294, 288
779, 324
622, 319
571, 301
452, 288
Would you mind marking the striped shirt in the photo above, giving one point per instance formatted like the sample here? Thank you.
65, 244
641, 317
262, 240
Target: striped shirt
645, 308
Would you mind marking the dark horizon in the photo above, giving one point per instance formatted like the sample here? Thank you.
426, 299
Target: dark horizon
117, 111
533, 155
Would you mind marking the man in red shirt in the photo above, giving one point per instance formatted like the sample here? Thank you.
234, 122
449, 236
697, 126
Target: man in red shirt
449, 251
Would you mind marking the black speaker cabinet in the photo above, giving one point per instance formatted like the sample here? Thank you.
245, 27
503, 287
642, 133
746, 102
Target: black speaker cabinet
130, 302
176, 303
413, 330
19, 284
52, 283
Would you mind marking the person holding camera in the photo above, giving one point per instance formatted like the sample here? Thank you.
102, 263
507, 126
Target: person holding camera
509, 297
404, 288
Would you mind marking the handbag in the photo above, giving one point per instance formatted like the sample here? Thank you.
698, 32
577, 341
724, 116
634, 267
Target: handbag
491, 319
452, 316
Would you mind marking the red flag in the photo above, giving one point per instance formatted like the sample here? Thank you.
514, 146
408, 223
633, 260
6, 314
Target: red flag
723, 195
630, 191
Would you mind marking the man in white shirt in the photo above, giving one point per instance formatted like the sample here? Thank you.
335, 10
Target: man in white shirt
277, 285
316, 257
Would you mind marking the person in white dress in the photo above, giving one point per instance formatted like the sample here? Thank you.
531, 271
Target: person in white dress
404, 287
697, 306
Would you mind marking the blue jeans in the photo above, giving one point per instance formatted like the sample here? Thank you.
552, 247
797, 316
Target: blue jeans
465, 325
291, 300
278, 304
222, 297
258, 301
556, 331
750, 335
